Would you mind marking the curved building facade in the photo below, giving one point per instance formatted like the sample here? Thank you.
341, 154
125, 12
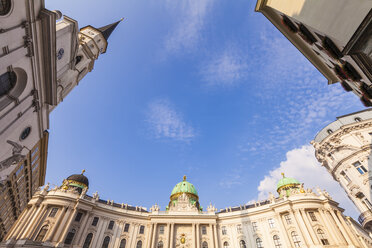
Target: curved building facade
344, 148
66, 217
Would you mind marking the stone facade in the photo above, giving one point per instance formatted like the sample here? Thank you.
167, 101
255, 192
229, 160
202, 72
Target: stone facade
344, 149
334, 35
43, 57
63, 217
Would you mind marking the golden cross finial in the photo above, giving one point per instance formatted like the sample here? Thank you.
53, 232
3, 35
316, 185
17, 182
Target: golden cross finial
82, 172
122, 19
184, 178
283, 175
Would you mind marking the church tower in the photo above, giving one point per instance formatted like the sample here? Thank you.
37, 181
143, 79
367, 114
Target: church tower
43, 56
73, 65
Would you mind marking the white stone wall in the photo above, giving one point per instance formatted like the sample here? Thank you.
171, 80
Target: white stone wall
343, 147
327, 216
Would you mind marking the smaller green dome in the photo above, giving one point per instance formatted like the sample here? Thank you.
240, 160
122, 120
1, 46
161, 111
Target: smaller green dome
286, 182
184, 187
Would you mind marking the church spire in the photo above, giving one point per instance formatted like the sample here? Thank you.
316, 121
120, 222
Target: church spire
107, 30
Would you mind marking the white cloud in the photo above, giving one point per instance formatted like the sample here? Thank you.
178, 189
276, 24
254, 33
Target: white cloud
302, 165
189, 23
166, 122
225, 69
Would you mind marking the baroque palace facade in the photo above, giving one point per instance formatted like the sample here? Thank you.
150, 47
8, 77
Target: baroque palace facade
43, 57
344, 148
66, 217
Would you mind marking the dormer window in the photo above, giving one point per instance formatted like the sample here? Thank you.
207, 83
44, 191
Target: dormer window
357, 119
331, 47
329, 131
307, 35
289, 24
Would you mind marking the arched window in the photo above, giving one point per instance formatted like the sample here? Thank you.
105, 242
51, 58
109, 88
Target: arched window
88, 240
225, 245
259, 243
70, 237
160, 244
242, 244
296, 239
205, 244
106, 242
139, 244
5, 6
322, 237
42, 233
123, 243
7, 80
277, 242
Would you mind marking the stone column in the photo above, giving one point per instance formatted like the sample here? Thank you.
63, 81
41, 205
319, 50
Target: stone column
198, 235
56, 225
172, 236
63, 224
299, 229
33, 223
97, 235
335, 238
133, 236
300, 221
344, 232
149, 236
82, 229
210, 235
168, 235
154, 236
24, 222
193, 236
287, 241
309, 226
114, 236
216, 241
67, 227
17, 223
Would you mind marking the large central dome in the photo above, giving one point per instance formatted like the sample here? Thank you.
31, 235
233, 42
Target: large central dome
184, 187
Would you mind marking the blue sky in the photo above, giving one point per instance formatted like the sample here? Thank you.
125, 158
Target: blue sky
205, 88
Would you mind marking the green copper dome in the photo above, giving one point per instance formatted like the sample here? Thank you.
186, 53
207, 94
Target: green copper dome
184, 187
287, 182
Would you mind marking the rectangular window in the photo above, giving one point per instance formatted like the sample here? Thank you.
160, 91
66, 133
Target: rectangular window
288, 219
271, 223
53, 212
204, 230
368, 203
312, 216
224, 231
78, 216
161, 229
111, 225
360, 168
254, 226
95, 221
126, 227
142, 230
347, 179
239, 228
